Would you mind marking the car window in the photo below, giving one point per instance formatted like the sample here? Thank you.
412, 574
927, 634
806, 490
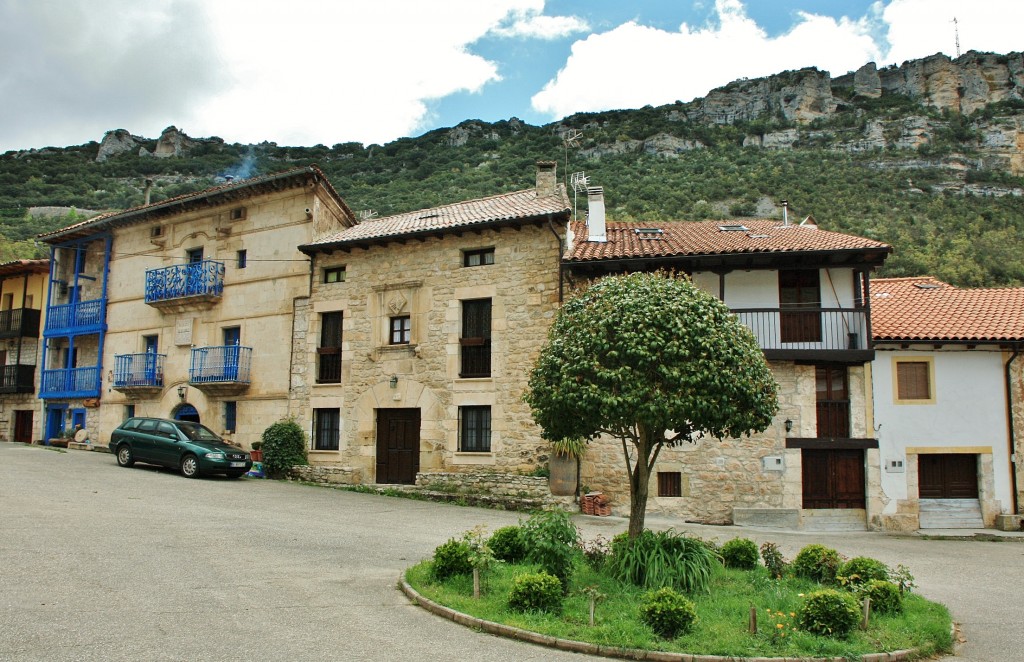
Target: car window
197, 432
131, 424
147, 426
167, 430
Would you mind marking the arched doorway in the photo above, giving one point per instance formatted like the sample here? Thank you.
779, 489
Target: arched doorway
186, 412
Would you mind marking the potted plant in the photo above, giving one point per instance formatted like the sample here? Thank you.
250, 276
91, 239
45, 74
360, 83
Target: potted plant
564, 465
257, 451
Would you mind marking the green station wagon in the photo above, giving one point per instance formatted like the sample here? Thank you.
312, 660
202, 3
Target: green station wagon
190, 447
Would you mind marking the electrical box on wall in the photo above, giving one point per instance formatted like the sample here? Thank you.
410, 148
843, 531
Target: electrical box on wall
773, 463
894, 466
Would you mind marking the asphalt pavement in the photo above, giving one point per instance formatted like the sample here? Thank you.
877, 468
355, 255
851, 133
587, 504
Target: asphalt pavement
98, 562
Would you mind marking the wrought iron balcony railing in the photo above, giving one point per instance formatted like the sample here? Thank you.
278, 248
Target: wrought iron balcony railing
781, 331
70, 383
19, 322
139, 370
204, 279
80, 316
220, 364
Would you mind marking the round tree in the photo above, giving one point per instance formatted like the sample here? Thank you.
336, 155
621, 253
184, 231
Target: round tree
651, 360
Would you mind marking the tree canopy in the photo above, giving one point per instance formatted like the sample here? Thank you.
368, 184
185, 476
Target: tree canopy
649, 359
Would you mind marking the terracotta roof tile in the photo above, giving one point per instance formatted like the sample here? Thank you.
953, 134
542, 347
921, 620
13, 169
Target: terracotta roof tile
708, 238
926, 309
519, 205
18, 267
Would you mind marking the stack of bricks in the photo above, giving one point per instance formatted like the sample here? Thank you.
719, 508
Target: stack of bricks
596, 503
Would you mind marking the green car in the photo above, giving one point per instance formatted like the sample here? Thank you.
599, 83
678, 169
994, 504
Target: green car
190, 447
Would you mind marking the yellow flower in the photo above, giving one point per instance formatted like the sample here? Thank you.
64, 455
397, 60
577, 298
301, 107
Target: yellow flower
780, 626
793, 614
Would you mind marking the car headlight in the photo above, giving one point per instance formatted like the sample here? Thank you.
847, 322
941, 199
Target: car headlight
215, 456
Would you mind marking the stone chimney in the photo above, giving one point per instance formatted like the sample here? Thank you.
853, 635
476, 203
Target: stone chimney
546, 179
595, 215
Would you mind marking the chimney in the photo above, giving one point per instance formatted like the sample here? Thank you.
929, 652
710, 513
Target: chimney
595, 215
147, 191
785, 213
546, 181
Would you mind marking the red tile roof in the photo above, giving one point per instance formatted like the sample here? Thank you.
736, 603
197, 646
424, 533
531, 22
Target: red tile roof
496, 209
707, 238
20, 267
925, 309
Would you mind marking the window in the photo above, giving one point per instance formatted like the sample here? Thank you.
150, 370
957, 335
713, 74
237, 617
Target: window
670, 484
80, 260
476, 338
478, 257
401, 330
230, 415
914, 381
326, 429
8, 301
236, 214
194, 255
329, 351
832, 401
242, 259
156, 231
334, 275
29, 300
800, 290
475, 429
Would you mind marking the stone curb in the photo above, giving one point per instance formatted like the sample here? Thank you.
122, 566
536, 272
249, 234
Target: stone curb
510, 632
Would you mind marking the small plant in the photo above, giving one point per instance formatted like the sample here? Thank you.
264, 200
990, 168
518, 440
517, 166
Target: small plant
667, 612
481, 558
536, 592
593, 596
284, 446
818, 563
452, 558
740, 553
256, 445
860, 570
901, 577
596, 552
885, 596
829, 612
666, 558
551, 543
574, 448
781, 624
773, 560
508, 544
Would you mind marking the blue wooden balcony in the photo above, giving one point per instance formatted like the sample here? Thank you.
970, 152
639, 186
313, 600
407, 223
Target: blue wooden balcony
63, 383
17, 378
194, 282
221, 369
80, 317
816, 334
139, 373
20, 322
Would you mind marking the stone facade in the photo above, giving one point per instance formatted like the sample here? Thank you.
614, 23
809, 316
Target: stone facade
22, 288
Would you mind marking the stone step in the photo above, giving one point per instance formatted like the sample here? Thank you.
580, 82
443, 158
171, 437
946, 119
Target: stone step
838, 519
951, 514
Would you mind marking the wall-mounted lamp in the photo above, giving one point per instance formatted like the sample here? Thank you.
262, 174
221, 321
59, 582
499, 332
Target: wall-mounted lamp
789, 425
394, 381
181, 392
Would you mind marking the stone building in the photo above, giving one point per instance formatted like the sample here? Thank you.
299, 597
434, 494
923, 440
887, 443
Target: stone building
184, 308
22, 299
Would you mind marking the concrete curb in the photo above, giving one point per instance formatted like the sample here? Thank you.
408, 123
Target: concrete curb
510, 632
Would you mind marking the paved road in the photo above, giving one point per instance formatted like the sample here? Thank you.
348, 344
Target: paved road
103, 563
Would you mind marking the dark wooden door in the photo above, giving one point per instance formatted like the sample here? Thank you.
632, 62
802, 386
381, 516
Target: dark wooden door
947, 476
23, 426
833, 478
798, 291
833, 401
398, 445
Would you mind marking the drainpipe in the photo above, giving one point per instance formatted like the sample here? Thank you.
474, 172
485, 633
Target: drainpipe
558, 257
1012, 437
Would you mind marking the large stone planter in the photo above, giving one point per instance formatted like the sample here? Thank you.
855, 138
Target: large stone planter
562, 479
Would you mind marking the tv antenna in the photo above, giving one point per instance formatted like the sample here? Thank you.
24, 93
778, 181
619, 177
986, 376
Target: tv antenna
579, 182
366, 215
570, 138
956, 34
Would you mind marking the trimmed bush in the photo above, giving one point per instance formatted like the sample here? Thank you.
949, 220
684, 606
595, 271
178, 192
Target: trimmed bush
885, 596
536, 592
740, 553
452, 558
667, 612
663, 559
552, 543
508, 544
862, 569
829, 612
818, 563
284, 446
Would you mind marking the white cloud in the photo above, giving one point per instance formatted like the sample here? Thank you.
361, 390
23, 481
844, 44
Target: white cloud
633, 65
532, 25
919, 28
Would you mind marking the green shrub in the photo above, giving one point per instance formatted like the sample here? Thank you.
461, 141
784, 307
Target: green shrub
596, 552
885, 596
663, 559
536, 592
284, 446
667, 612
508, 544
829, 612
773, 560
551, 542
740, 553
452, 558
860, 570
818, 563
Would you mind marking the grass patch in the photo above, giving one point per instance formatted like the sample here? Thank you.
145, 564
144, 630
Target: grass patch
722, 615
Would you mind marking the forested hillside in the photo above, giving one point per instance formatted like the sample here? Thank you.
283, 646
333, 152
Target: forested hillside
943, 186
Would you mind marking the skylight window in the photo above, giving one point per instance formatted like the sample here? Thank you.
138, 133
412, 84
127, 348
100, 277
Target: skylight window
733, 228
649, 233
926, 286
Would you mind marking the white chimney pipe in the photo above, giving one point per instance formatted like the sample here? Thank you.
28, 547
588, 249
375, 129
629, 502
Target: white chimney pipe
595, 217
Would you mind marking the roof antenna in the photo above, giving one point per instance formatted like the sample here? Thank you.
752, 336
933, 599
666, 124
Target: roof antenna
785, 213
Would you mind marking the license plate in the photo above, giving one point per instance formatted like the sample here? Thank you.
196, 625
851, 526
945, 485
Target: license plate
237, 464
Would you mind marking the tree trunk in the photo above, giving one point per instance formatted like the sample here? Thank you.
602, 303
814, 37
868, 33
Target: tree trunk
639, 481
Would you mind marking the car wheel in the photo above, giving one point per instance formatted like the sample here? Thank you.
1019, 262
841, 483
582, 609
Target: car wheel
190, 466
124, 456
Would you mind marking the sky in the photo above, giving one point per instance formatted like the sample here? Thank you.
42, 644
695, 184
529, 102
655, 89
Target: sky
307, 72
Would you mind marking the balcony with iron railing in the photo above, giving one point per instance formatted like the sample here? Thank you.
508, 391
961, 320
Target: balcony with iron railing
17, 378
19, 322
62, 383
79, 317
221, 369
139, 374
837, 334
192, 283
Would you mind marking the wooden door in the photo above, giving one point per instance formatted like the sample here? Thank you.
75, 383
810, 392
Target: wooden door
947, 476
398, 445
23, 426
798, 291
833, 478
